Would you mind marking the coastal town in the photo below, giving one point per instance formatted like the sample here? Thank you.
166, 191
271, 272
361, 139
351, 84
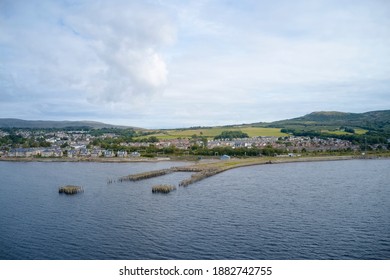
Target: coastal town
78, 144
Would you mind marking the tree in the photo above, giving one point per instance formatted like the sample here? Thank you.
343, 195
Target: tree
153, 139
231, 135
349, 130
64, 145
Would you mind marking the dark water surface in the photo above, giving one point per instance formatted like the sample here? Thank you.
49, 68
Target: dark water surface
323, 210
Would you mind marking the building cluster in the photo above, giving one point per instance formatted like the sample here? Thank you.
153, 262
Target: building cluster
288, 144
75, 144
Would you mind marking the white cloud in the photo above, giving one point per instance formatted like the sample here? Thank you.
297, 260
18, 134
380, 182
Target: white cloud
174, 63
104, 51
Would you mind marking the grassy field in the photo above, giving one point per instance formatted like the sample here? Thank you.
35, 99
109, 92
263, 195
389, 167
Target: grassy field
252, 131
263, 131
214, 131
358, 131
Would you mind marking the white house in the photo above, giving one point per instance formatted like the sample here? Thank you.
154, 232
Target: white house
135, 154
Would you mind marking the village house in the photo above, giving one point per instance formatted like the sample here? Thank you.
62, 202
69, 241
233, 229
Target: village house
3, 133
73, 153
47, 153
84, 152
24, 152
78, 146
56, 152
96, 153
108, 153
121, 154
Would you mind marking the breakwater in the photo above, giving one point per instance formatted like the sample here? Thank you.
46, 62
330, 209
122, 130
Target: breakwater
200, 176
145, 175
200, 170
205, 170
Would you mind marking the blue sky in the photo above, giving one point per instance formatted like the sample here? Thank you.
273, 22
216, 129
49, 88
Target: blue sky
162, 64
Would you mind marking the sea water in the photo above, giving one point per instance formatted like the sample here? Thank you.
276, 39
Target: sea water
313, 210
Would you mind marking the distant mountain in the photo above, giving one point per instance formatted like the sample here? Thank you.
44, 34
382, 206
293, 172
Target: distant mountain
375, 121
17, 123
332, 116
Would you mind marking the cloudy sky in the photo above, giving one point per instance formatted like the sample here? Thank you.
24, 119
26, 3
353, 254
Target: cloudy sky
173, 63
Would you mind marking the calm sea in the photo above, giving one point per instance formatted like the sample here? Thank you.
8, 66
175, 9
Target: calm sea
322, 210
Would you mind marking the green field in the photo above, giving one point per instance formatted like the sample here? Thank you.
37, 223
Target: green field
214, 131
252, 131
358, 131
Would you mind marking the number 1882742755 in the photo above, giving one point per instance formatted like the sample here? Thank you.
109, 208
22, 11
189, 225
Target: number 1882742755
238, 270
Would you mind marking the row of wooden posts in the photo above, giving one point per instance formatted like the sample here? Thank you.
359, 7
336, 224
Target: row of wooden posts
200, 174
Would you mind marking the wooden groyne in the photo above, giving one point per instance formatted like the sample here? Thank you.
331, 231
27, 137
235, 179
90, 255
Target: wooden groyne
200, 176
163, 189
191, 168
201, 171
157, 173
205, 170
145, 175
69, 189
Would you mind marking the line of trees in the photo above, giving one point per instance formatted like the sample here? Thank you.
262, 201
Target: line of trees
16, 141
370, 137
231, 134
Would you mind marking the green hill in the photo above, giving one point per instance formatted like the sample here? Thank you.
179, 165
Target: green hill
18, 123
375, 120
373, 127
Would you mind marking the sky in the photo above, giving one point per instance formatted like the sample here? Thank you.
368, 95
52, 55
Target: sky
174, 63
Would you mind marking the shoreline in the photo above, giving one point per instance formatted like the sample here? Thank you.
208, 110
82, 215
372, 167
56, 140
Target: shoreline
97, 160
202, 169
246, 161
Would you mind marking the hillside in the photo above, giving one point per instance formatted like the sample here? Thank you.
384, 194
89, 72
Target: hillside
327, 124
18, 123
371, 121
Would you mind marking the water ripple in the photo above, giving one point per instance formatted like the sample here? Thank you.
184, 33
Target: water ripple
327, 210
